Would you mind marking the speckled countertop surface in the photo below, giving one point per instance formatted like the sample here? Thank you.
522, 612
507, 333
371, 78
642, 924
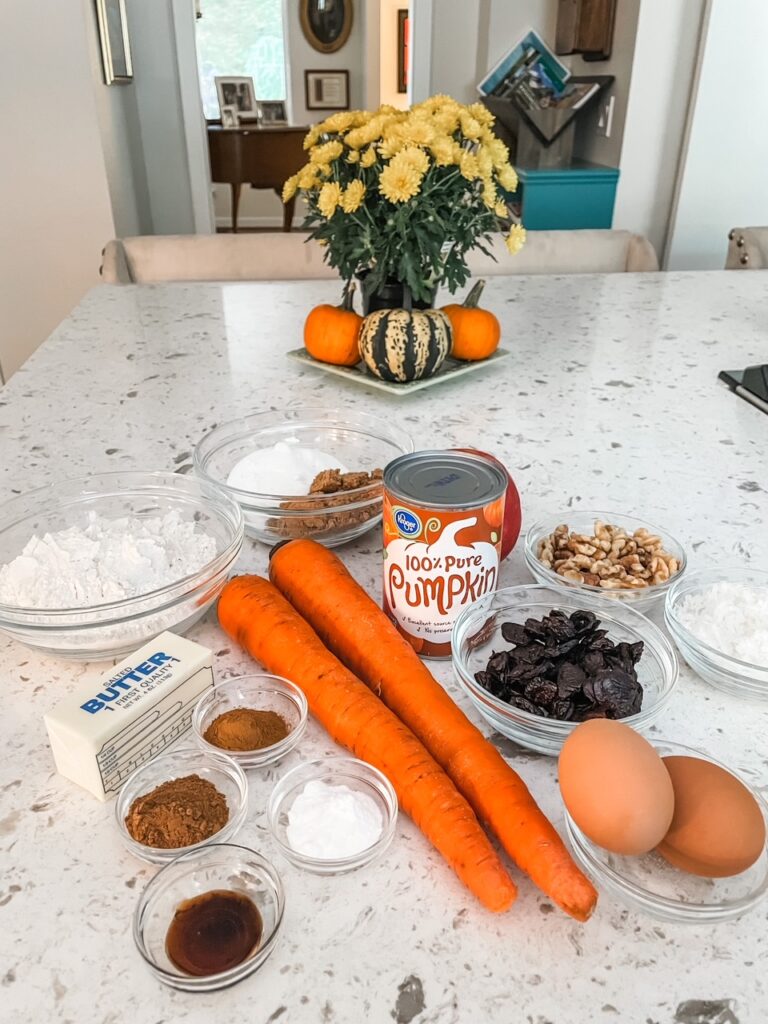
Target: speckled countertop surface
610, 401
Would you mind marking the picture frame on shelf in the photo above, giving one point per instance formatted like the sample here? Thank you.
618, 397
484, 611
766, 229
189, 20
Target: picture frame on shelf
114, 41
230, 117
403, 42
272, 112
237, 91
326, 90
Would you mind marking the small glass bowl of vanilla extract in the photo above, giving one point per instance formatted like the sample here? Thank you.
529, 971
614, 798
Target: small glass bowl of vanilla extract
209, 918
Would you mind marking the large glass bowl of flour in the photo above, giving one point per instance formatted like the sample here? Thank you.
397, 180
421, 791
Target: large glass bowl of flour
270, 463
93, 568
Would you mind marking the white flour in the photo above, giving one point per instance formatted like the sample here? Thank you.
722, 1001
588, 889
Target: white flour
109, 560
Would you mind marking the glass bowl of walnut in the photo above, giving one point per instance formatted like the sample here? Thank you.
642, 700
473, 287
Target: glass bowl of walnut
605, 554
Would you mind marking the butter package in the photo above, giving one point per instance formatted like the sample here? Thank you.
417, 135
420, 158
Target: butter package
103, 731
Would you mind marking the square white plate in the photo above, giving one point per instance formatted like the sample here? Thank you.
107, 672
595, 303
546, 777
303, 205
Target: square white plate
450, 369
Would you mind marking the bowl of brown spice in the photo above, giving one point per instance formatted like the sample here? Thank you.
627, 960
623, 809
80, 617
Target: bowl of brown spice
256, 719
180, 801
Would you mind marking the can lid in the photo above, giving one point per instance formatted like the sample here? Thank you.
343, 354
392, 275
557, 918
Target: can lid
445, 479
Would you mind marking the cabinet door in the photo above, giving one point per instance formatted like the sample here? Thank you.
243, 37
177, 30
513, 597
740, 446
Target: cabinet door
586, 27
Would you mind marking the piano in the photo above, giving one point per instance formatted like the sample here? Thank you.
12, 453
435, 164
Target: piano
262, 157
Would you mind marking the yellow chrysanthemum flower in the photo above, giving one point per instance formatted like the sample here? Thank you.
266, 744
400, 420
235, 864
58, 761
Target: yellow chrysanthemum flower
471, 127
481, 113
490, 196
500, 209
484, 161
290, 187
329, 198
442, 150
418, 132
312, 136
353, 196
414, 157
326, 153
340, 122
322, 170
353, 156
391, 145
307, 176
399, 181
468, 165
515, 240
368, 159
446, 121
507, 178
498, 151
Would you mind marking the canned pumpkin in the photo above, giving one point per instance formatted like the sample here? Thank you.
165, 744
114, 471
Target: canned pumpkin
443, 517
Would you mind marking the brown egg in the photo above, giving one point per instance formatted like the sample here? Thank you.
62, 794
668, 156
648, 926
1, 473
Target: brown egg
718, 828
615, 787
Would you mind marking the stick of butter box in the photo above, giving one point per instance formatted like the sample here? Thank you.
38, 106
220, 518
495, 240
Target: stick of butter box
104, 730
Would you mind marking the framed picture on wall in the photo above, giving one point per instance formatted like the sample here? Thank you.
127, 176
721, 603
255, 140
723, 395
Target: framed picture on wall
115, 45
403, 39
326, 90
237, 91
272, 112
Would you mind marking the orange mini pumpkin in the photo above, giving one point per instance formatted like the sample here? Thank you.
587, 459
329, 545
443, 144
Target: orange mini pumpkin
476, 332
331, 333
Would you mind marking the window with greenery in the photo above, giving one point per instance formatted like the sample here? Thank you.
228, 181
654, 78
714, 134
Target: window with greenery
241, 37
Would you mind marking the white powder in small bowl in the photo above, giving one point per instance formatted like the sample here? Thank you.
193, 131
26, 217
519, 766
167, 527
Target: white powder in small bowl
731, 617
329, 821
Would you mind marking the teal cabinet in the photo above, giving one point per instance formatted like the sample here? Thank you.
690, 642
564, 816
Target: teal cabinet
580, 196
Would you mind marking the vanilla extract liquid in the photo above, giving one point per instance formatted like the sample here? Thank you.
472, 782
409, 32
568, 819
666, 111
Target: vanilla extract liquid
213, 932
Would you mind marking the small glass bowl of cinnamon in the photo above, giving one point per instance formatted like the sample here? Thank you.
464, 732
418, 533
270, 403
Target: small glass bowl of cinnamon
179, 801
256, 720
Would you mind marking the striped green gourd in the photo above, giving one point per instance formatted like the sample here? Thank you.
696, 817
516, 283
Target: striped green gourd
402, 345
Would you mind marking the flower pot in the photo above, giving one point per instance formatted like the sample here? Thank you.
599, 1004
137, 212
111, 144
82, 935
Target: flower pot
391, 295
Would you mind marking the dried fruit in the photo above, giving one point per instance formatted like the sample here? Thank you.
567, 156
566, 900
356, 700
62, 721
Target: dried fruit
565, 667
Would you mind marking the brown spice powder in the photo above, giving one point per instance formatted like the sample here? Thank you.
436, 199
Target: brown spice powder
246, 729
177, 813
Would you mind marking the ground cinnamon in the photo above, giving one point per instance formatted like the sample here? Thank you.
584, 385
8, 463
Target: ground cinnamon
246, 729
177, 813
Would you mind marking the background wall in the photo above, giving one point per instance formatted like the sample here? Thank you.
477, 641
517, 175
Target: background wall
388, 47
723, 171
56, 214
662, 78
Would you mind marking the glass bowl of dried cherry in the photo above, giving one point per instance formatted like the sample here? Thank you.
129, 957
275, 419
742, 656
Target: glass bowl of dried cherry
537, 660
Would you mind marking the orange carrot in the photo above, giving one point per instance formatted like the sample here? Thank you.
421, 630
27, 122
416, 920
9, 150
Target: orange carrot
358, 632
259, 618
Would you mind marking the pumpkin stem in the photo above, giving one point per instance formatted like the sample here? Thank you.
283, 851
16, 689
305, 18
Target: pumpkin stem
473, 297
347, 297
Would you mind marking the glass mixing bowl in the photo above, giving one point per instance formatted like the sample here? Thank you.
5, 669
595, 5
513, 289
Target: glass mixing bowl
361, 443
116, 628
477, 635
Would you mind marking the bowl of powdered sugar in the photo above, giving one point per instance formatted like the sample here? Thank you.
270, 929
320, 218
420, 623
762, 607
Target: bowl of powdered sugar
719, 620
93, 568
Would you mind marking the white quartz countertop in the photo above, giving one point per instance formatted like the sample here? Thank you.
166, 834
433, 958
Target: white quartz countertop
611, 401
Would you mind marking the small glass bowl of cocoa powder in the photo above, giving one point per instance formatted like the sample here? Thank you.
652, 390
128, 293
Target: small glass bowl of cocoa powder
180, 801
256, 719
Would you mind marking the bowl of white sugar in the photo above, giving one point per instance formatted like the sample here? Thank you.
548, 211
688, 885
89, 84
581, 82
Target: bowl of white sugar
718, 618
303, 472
93, 568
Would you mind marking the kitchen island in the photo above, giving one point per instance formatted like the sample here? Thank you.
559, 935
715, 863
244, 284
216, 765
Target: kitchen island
609, 401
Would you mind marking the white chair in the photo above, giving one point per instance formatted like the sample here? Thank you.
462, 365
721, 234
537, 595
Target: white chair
747, 249
587, 251
266, 256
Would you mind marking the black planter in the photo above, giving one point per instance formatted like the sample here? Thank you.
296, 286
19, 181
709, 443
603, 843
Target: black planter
391, 295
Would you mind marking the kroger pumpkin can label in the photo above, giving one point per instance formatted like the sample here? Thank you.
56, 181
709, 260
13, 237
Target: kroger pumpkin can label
443, 516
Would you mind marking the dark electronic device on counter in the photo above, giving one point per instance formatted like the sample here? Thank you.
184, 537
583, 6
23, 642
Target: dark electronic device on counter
750, 384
